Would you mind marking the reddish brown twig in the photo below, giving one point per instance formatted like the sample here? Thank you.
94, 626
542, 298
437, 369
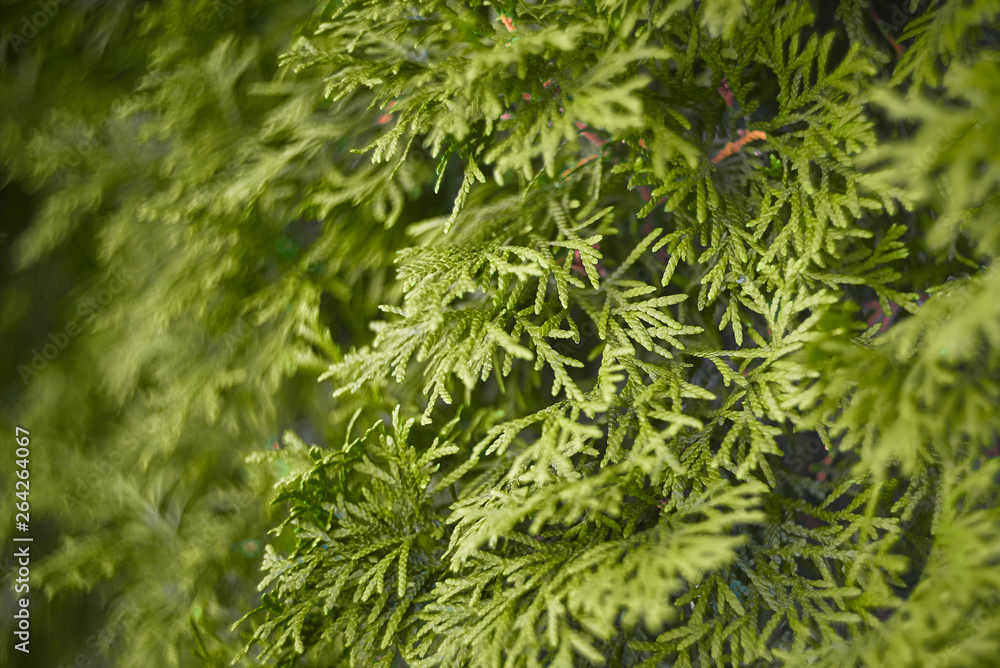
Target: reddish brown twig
734, 146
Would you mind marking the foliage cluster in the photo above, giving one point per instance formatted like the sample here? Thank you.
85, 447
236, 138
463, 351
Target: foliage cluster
580, 283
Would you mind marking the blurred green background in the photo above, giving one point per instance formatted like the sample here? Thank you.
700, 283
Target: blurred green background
161, 294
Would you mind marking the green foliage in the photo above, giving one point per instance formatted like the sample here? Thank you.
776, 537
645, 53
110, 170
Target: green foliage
547, 549
189, 322
600, 318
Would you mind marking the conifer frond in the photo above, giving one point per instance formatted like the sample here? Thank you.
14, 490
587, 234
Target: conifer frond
581, 283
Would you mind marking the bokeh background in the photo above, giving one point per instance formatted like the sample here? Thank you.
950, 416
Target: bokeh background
154, 299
